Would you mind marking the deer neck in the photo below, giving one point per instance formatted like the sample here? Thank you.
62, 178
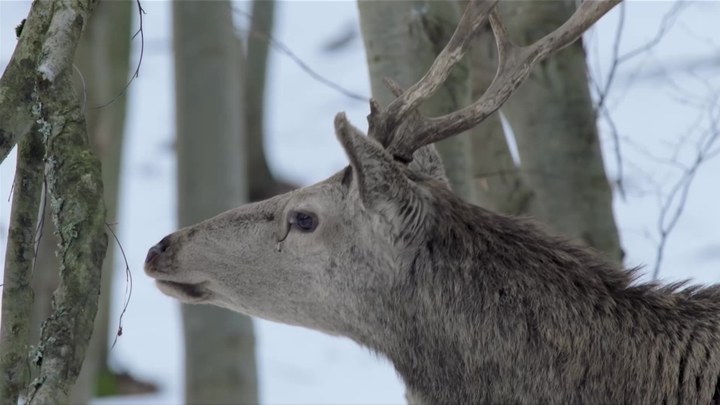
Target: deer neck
424, 326
491, 313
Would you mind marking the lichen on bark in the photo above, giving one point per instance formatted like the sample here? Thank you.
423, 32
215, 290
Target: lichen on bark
17, 295
46, 45
76, 194
35, 89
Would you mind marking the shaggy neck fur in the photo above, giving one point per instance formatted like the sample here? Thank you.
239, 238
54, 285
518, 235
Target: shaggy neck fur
494, 310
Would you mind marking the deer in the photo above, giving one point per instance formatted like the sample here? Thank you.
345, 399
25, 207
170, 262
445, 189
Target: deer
469, 306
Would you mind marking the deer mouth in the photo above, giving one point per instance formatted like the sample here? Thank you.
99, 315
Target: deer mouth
186, 292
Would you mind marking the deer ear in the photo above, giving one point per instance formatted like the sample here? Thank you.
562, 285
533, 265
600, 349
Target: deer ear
427, 161
382, 184
379, 177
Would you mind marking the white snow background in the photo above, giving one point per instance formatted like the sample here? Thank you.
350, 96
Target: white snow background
661, 103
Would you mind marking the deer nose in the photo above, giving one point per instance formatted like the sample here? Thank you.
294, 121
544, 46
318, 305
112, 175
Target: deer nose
157, 250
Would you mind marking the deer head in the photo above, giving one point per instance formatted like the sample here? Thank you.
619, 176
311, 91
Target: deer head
288, 259
337, 255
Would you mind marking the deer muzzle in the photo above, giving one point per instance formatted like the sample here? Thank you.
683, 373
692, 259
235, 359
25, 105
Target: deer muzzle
160, 265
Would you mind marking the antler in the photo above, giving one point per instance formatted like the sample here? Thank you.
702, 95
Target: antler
403, 131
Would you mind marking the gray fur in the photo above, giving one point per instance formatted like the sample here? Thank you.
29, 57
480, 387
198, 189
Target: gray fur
470, 306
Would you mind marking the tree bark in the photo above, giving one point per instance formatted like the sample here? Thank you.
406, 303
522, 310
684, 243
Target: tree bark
36, 90
401, 41
75, 190
103, 57
495, 176
45, 277
261, 182
554, 124
219, 353
17, 297
263, 17
45, 48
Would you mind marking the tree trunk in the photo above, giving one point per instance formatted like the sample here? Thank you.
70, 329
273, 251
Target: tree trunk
262, 184
36, 90
17, 296
495, 176
75, 192
103, 60
219, 353
103, 57
401, 41
554, 124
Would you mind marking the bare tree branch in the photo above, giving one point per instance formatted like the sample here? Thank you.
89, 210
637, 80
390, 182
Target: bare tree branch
667, 22
36, 88
617, 60
17, 295
284, 49
141, 32
76, 200
602, 93
673, 207
128, 287
45, 50
255, 75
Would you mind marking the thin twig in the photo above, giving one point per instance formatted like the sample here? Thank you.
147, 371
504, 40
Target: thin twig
617, 61
602, 96
140, 31
128, 286
665, 25
669, 217
618, 153
284, 49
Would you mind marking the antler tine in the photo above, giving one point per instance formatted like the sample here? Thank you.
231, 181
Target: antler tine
394, 87
514, 66
502, 38
383, 123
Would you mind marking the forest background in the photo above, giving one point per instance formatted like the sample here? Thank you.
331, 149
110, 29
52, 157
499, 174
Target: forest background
662, 102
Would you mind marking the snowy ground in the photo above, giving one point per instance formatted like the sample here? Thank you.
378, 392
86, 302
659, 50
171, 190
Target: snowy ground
301, 366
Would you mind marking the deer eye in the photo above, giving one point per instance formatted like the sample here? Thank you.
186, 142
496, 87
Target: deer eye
304, 221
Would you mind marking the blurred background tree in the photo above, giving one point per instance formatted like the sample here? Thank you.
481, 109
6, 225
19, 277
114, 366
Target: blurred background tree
212, 178
559, 177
